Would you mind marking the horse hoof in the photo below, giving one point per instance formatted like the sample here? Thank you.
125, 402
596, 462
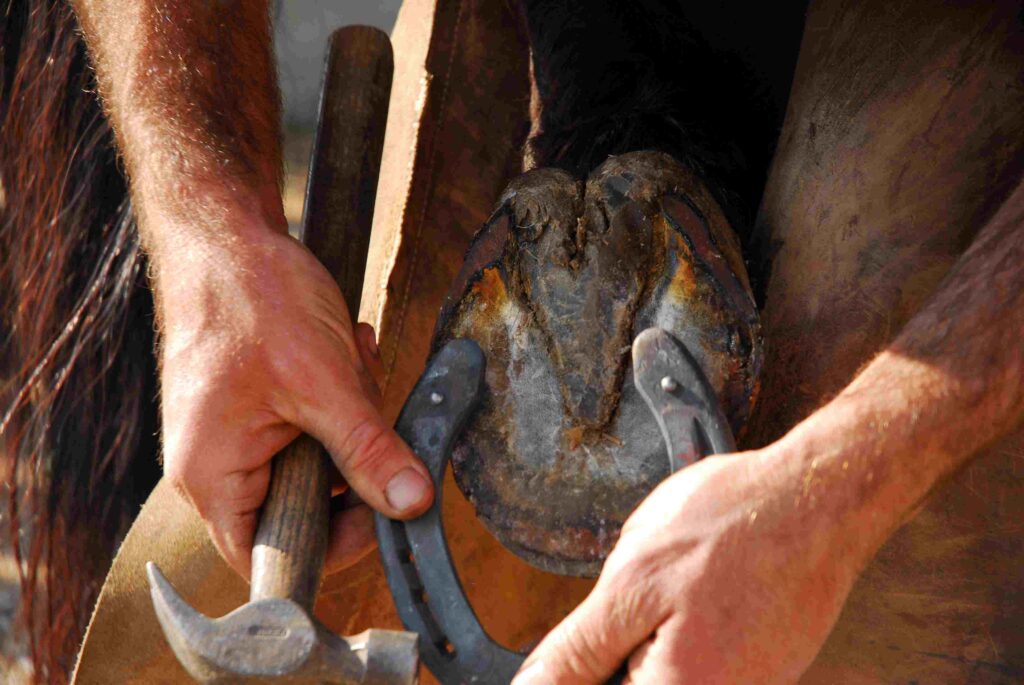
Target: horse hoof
554, 288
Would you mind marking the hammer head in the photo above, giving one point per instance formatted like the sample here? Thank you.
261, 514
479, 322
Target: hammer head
276, 639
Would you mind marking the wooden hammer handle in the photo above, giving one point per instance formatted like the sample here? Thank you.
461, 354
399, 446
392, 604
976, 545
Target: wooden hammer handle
291, 540
288, 554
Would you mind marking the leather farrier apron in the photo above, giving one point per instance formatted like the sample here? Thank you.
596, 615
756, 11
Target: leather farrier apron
899, 143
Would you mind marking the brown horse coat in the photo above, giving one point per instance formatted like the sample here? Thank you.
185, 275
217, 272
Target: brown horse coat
903, 136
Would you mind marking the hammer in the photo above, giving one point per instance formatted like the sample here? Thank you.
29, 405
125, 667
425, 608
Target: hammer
275, 636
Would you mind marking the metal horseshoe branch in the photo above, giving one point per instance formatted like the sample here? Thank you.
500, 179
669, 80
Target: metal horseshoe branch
417, 561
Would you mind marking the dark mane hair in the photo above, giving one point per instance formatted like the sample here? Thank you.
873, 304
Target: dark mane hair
78, 422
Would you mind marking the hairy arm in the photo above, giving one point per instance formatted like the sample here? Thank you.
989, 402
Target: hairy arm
951, 383
736, 569
256, 342
190, 89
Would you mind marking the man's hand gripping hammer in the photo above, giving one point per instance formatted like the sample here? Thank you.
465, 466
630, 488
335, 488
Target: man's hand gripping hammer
275, 636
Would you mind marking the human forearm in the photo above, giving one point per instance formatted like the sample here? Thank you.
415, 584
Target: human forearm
190, 90
257, 345
951, 383
736, 568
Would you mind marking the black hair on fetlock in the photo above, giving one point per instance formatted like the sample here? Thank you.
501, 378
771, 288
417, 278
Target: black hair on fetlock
614, 77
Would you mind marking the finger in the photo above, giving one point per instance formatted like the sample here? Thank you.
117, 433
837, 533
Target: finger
232, 519
595, 639
377, 464
637, 659
636, 664
663, 660
233, 538
225, 474
337, 481
351, 538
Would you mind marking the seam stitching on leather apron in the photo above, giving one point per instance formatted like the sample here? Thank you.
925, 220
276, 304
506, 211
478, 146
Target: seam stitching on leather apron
418, 235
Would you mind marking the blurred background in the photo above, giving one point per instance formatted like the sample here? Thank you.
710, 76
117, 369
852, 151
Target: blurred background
301, 31
301, 28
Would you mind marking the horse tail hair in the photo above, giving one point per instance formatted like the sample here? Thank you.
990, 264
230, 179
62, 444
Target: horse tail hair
78, 418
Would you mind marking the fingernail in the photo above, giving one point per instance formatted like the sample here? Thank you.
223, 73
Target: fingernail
406, 489
533, 675
372, 344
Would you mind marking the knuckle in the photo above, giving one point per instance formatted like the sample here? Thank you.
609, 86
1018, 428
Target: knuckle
244, 491
367, 447
621, 567
287, 363
634, 585
584, 653
311, 371
634, 605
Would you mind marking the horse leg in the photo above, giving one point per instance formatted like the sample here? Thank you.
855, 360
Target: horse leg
903, 137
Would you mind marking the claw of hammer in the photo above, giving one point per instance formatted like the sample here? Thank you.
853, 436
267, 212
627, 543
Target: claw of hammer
275, 638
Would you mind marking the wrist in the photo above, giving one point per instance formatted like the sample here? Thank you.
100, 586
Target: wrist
853, 483
200, 272
181, 215
219, 238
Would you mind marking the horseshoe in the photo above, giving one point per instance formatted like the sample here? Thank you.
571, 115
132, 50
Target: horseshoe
417, 562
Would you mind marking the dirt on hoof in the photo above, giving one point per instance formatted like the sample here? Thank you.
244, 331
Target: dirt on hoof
554, 288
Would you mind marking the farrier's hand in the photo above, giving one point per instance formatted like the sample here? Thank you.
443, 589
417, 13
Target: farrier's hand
257, 346
722, 575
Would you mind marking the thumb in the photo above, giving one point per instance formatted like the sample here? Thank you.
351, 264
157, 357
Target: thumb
592, 642
378, 465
